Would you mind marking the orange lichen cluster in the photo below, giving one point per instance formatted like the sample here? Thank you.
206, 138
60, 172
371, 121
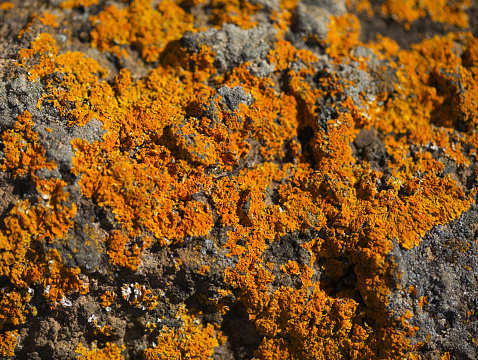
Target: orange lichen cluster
8, 343
70, 4
120, 255
107, 298
48, 19
409, 11
46, 219
109, 352
7, 5
140, 25
342, 36
239, 12
139, 296
13, 308
429, 105
190, 341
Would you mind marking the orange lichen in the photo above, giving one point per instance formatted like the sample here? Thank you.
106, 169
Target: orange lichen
23, 154
59, 280
47, 218
239, 12
107, 299
285, 53
8, 343
104, 330
429, 103
191, 340
28, 26
109, 352
342, 36
422, 301
119, 254
51, 217
70, 4
408, 11
140, 25
360, 6
13, 308
7, 5
48, 19
139, 296
446, 356
203, 270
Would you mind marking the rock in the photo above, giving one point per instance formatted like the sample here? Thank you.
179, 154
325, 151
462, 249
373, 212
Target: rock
234, 46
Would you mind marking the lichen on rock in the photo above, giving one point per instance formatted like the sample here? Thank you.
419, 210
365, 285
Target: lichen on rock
237, 180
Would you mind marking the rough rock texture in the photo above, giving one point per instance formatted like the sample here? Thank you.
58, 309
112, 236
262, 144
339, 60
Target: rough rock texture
443, 270
238, 179
233, 46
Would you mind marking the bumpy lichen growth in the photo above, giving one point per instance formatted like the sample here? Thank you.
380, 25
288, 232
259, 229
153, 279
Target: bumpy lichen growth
190, 340
409, 11
187, 152
138, 24
109, 352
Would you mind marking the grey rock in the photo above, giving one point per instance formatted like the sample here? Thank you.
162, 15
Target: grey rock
267, 5
311, 20
444, 269
16, 96
20, 94
57, 141
233, 97
229, 100
233, 46
335, 7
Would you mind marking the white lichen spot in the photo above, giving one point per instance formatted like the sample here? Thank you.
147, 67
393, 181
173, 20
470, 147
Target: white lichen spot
125, 291
65, 302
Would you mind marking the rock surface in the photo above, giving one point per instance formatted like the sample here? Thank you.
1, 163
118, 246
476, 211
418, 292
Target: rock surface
237, 180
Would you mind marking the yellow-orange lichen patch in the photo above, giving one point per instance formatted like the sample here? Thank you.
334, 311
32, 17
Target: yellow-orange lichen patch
14, 308
360, 6
59, 280
7, 5
51, 216
429, 103
285, 53
23, 154
139, 296
339, 201
123, 252
70, 4
343, 35
171, 161
8, 343
107, 298
408, 11
48, 19
239, 12
203, 270
273, 116
191, 340
140, 25
109, 352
